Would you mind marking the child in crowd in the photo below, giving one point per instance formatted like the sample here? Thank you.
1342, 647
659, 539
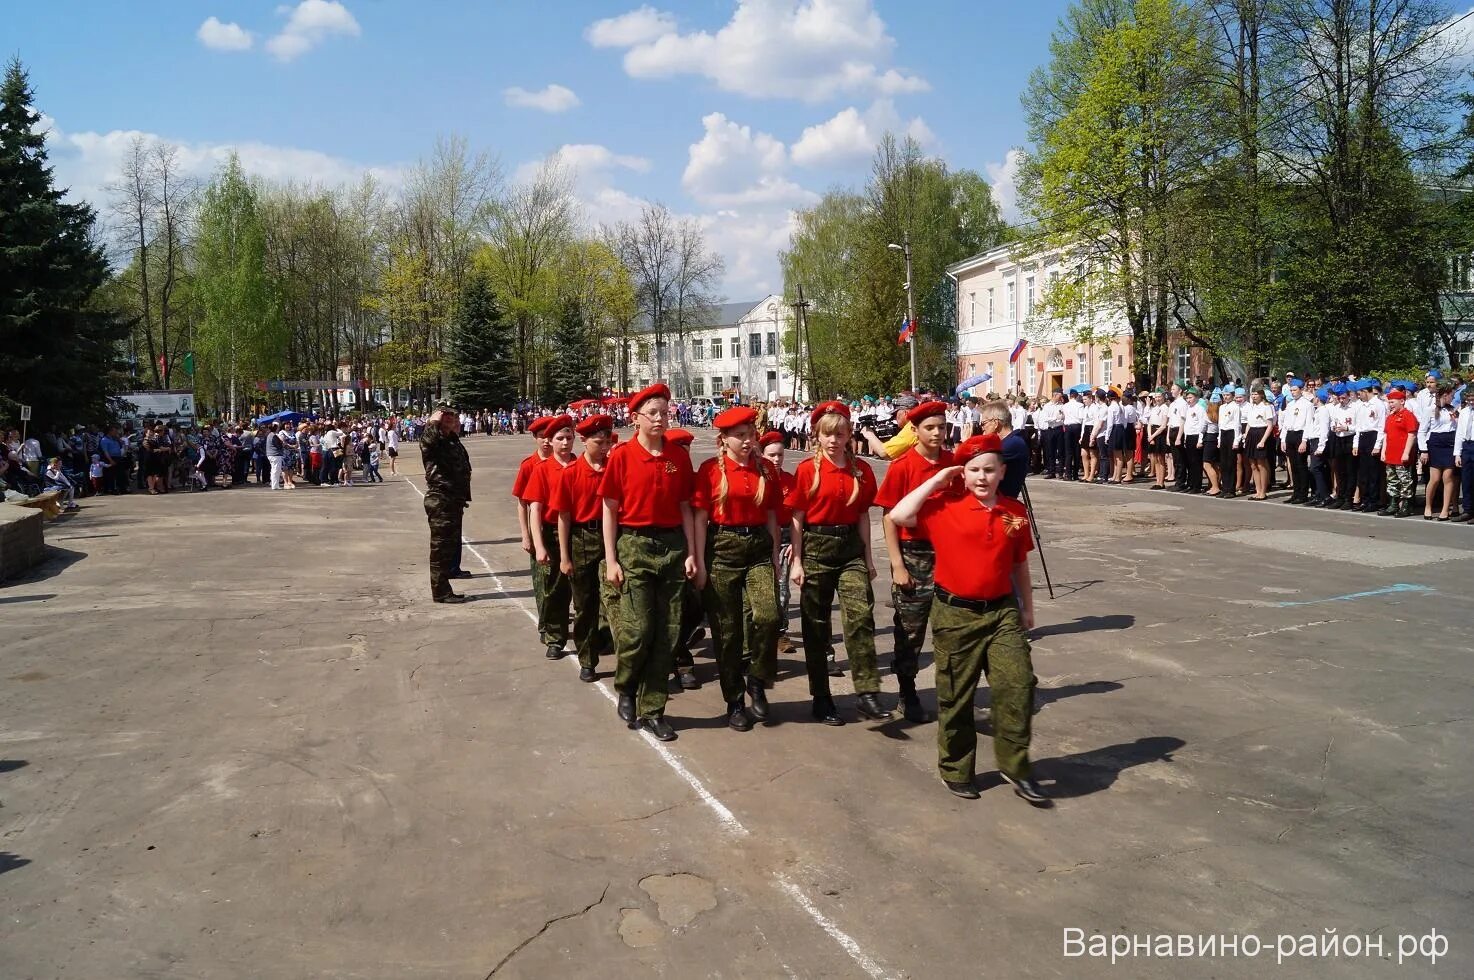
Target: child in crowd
94, 473
373, 463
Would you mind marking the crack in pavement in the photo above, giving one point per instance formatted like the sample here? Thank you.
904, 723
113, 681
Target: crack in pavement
545, 927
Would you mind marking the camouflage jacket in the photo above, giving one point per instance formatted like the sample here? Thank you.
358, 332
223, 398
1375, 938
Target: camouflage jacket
447, 466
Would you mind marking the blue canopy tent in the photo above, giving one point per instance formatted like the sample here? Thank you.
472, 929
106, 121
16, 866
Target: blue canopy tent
1080, 389
972, 382
282, 417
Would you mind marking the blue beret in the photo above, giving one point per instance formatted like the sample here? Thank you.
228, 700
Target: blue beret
1339, 388
1239, 391
1216, 398
1373, 382
1296, 383
1323, 395
1435, 374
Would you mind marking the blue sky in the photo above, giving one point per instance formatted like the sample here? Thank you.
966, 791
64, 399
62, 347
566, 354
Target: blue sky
736, 113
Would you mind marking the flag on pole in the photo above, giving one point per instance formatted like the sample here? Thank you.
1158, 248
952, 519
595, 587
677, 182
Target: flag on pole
907, 329
1018, 350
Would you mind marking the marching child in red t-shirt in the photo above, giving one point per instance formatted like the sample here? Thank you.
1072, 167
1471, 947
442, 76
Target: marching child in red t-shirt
549, 584
983, 612
1401, 430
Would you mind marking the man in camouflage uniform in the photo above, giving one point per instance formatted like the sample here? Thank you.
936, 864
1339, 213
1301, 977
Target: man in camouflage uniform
447, 495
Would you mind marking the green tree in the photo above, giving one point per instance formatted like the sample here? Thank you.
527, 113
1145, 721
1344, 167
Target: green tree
481, 369
240, 339
58, 345
574, 369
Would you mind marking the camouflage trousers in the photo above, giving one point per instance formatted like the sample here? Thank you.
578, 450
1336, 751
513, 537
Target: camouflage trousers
649, 622
445, 516
693, 611
913, 608
591, 636
837, 565
552, 592
1399, 482
742, 606
968, 645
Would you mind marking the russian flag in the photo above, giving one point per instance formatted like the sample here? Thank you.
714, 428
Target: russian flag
907, 329
1018, 350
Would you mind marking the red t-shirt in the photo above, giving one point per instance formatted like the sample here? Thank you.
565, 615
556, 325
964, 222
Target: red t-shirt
977, 548
905, 475
742, 481
830, 503
577, 491
1399, 427
785, 512
649, 489
524, 473
545, 476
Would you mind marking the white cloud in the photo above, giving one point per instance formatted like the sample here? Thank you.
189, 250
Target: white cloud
801, 49
590, 164
86, 163
626, 30
309, 24
749, 239
554, 98
732, 165
850, 137
224, 36
1004, 179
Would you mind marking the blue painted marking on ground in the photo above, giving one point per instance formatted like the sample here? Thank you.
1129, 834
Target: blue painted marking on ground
1387, 590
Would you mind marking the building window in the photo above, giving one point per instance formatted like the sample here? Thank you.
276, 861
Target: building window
642, 353
772, 346
1012, 300
698, 349
1464, 353
1032, 380
1012, 378
754, 345
992, 377
1029, 296
736, 382
1184, 361
772, 381
1056, 360
972, 309
1106, 361
1084, 368
990, 304
644, 383
698, 387
716, 385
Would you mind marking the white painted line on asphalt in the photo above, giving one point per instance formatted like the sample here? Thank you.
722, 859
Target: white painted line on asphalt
845, 940
723, 814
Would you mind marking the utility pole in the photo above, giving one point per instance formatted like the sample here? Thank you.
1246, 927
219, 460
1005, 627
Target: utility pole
905, 249
801, 337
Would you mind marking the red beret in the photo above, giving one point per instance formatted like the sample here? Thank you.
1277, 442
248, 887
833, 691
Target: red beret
768, 438
681, 437
735, 416
595, 424
657, 390
557, 423
1396, 394
538, 424
976, 446
925, 411
828, 408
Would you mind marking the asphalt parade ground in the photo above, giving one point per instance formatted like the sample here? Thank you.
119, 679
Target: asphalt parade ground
237, 740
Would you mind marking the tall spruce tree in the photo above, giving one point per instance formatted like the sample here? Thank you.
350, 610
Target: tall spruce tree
479, 361
58, 350
573, 368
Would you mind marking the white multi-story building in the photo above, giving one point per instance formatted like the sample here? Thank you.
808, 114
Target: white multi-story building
741, 354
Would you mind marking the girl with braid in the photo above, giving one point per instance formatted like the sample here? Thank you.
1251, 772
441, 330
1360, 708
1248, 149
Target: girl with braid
734, 504
831, 500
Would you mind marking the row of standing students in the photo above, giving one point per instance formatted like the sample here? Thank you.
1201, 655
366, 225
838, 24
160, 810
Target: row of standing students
627, 540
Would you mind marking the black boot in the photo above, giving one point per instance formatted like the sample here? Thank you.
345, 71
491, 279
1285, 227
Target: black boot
737, 717
757, 692
825, 711
871, 707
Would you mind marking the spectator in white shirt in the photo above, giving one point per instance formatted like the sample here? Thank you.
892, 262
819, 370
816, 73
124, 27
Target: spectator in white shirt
1436, 451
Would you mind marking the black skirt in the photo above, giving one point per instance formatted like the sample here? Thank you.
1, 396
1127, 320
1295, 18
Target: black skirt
1251, 443
1440, 450
1210, 448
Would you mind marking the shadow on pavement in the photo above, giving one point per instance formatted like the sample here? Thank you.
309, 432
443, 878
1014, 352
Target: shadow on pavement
1070, 776
11, 765
9, 862
27, 598
57, 560
493, 541
1085, 624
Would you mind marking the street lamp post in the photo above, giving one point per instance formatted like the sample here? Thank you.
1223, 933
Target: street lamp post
905, 249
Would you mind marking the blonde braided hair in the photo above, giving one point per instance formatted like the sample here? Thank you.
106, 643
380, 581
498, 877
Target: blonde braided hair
828, 425
722, 455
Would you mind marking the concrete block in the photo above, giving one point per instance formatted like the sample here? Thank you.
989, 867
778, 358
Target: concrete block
22, 540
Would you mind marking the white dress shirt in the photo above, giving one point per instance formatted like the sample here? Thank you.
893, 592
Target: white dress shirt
1441, 420
1319, 427
1194, 419
1296, 414
1231, 419
1258, 416
1464, 431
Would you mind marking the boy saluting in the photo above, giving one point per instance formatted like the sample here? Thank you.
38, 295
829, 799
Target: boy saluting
648, 555
984, 609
